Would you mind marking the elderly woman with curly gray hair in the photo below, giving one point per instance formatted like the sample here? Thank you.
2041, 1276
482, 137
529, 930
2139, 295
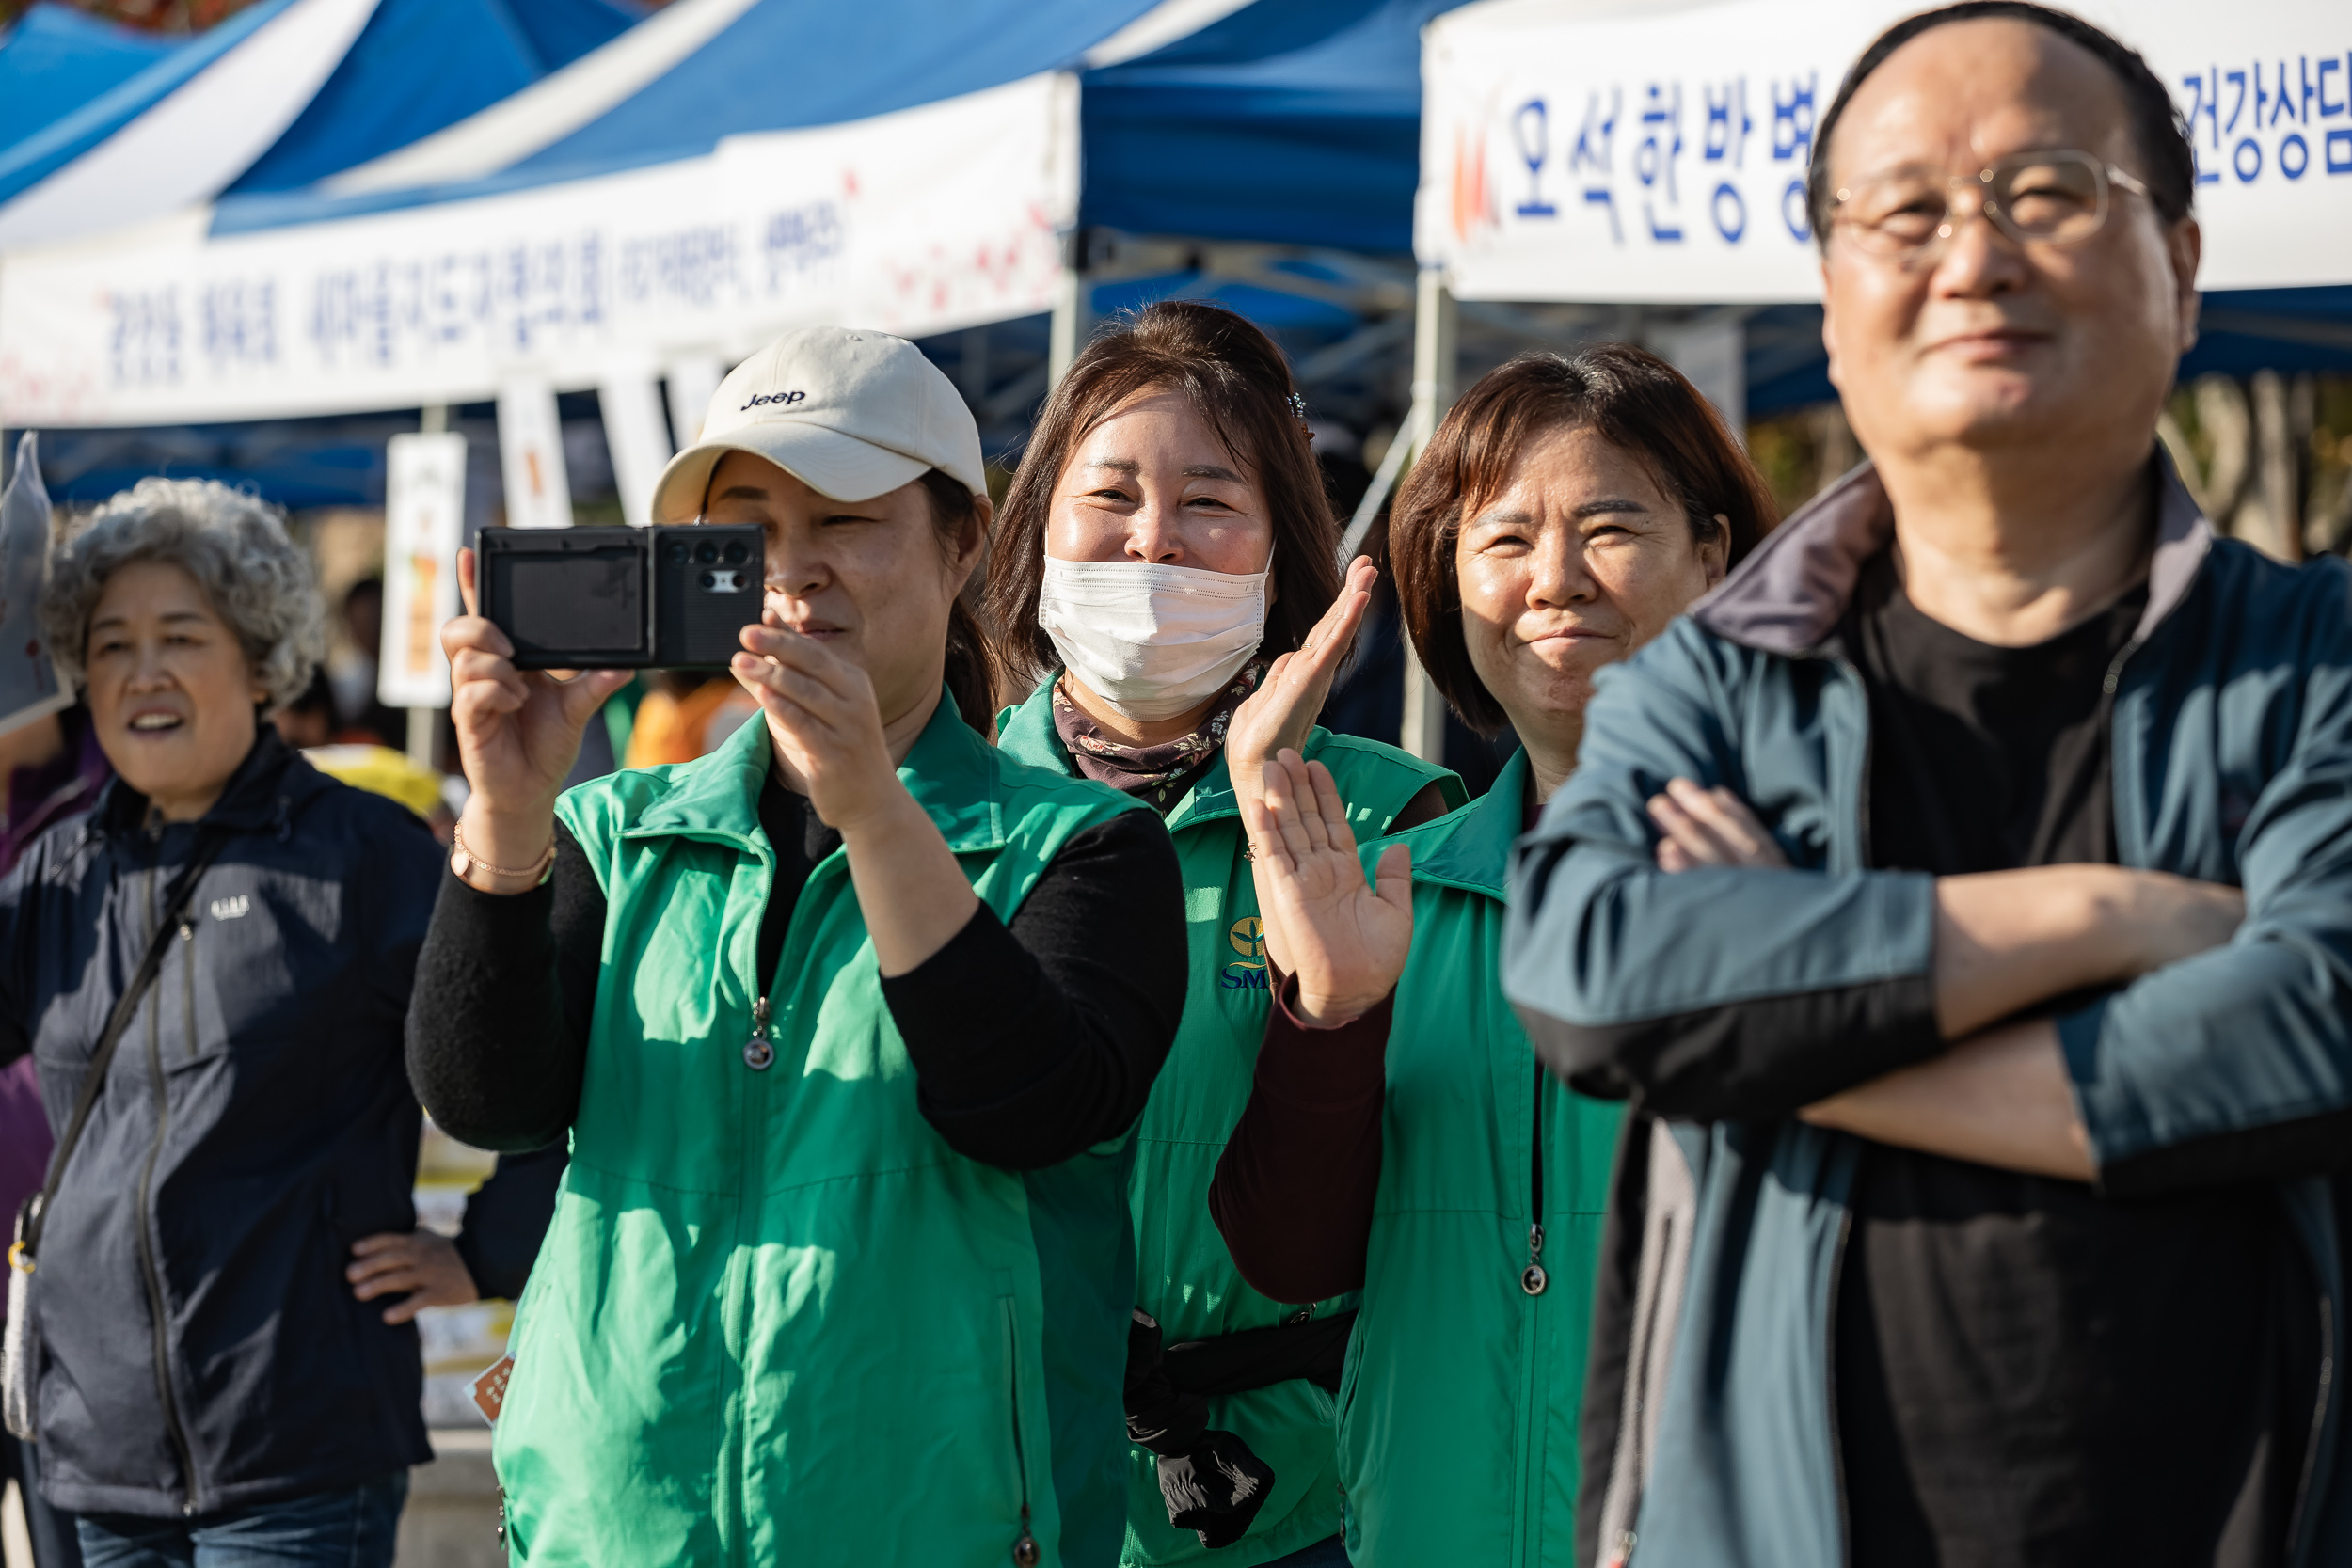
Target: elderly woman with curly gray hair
209, 969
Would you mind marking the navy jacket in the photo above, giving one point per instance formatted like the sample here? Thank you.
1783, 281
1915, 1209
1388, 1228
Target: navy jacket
1723, 1000
203, 1348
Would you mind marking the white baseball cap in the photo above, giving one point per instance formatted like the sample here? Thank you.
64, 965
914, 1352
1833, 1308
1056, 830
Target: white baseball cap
851, 414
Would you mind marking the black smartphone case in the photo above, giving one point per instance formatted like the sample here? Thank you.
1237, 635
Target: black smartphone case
621, 599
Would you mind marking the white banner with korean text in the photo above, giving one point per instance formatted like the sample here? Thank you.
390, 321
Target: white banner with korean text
1661, 157
915, 222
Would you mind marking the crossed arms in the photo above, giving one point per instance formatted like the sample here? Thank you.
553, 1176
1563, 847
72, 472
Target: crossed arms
2005, 943
1939, 1014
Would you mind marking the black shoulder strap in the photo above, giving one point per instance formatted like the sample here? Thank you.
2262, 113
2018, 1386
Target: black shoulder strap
208, 848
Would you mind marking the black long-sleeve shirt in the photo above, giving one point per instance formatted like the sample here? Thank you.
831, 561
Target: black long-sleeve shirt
1030, 1041
506, 1218
2029, 1372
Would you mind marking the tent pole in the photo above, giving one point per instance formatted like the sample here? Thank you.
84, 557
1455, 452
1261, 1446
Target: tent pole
972, 365
1710, 350
1068, 331
420, 736
1377, 494
433, 420
1436, 329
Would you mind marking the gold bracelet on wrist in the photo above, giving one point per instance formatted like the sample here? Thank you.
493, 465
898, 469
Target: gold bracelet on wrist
466, 860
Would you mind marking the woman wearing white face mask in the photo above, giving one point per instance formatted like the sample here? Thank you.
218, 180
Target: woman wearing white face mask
1166, 559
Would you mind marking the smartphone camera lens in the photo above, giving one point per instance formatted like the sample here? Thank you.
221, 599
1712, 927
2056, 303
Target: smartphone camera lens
677, 552
706, 552
738, 553
710, 579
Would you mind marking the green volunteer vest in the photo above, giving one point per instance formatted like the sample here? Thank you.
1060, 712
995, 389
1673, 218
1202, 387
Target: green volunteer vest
1459, 1405
1185, 1276
776, 1318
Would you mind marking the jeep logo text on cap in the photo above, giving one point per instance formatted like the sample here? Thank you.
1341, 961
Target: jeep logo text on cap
851, 415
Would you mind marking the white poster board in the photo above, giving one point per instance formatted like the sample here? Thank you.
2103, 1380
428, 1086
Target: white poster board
1660, 157
531, 456
29, 683
919, 221
424, 513
636, 435
692, 382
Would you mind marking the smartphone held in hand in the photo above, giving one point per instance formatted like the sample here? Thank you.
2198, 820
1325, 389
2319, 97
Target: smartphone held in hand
616, 598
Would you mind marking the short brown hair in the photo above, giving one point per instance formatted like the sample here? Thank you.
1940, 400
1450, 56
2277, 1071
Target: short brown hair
1237, 380
1630, 398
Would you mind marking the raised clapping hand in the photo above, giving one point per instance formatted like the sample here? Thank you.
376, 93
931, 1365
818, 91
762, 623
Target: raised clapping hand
1287, 703
518, 732
1346, 942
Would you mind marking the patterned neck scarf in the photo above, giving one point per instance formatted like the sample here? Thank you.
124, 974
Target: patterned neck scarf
1159, 775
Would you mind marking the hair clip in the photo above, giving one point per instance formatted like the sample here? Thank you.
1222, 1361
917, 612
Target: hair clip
1298, 407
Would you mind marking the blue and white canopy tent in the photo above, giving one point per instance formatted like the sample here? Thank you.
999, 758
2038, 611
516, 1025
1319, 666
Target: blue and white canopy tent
54, 59
728, 169
1294, 123
732, 166
279, 97
596, 229
101, 128
1267, 161
717, 172
725, 169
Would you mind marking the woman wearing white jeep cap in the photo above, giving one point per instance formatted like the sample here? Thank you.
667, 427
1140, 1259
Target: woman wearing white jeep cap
847, 1080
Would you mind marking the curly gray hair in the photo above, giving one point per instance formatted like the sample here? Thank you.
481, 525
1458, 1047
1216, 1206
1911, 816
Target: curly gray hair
233, 545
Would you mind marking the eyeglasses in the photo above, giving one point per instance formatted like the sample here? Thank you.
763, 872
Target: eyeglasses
1911, 213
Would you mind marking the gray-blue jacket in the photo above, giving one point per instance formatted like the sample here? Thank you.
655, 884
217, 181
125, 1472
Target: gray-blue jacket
204, 1350
1723, 1000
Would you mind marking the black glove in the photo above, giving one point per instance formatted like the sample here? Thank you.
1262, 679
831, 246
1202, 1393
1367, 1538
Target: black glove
1216, 1489
1212, 1484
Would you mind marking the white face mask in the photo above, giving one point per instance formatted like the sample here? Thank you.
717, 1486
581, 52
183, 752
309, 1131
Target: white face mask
1152, 641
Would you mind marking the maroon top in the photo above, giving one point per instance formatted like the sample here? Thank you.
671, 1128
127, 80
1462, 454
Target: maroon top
1294, 1191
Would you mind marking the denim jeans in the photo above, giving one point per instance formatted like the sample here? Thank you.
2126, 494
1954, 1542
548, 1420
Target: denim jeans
1328, 1553
325, 1529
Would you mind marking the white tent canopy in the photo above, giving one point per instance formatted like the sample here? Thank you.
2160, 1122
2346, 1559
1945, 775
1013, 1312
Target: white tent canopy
1661, 157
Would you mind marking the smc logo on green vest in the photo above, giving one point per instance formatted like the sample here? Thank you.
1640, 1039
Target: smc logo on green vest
1248, 972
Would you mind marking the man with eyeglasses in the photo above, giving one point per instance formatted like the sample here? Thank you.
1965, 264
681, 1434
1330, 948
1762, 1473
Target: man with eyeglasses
1964, 896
